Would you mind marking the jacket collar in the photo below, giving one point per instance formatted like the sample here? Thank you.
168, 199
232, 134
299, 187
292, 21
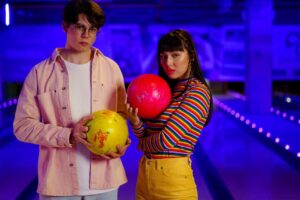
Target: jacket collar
57, 57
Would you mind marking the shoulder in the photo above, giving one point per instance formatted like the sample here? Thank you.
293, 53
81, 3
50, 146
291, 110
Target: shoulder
107, 64
101, 57
42, 67
197, 88
111, 61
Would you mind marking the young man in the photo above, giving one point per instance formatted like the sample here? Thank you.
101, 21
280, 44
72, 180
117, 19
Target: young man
56, 101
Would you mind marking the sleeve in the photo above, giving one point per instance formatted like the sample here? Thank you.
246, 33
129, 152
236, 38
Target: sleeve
121, 92
139, 129
185, 124
27, 125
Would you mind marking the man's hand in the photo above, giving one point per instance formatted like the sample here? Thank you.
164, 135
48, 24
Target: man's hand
78, 133
120, 152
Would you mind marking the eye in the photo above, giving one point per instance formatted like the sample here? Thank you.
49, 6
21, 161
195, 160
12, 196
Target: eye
80, 27
175, 55
162, 57
93, 29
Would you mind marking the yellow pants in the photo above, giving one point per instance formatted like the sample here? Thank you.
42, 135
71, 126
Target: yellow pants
166, 179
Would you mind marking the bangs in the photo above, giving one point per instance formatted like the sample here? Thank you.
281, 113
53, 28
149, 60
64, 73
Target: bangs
170, 43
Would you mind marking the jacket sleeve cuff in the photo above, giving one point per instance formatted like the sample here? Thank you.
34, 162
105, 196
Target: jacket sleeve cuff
64, 138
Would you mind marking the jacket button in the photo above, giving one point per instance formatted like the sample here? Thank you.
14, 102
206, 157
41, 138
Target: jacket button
64, 108
63, 88
71, 164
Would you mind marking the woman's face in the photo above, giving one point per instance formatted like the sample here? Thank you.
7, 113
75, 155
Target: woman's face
175, 64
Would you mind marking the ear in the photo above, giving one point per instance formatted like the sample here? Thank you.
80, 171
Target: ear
192, 58
65, 27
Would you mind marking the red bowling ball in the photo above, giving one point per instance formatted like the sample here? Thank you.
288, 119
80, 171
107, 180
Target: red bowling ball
149, 93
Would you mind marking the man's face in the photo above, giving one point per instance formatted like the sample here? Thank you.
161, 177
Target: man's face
82, 35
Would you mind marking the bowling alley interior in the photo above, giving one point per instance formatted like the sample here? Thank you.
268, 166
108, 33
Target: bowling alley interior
249, 52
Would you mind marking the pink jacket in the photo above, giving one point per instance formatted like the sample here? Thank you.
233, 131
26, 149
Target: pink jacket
43, 117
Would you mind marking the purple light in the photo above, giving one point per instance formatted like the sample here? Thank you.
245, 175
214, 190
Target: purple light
287, 147
247, 121
4, 105
292, 118
260, 130
253, 125
268, 134
298, 154
271, 109
233, 112
242, 118
277, 112
277, 140
298, 121
237, 115
284, 115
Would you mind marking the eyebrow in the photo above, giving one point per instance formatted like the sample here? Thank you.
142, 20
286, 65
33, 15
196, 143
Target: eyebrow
92, 26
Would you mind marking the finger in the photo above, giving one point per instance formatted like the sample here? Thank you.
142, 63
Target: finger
104, 156
127, 107
84, 129
83, 135
121, 150
136, 110
84, 142
130, 110
113, 155
85, 119
128, 142
126, 98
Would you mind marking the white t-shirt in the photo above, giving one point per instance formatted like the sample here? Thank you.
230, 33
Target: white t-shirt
80, 100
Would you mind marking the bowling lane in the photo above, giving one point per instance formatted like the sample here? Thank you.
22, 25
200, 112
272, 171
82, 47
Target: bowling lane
18, 166
248, 168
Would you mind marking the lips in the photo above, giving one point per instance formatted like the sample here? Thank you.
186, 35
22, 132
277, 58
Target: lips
84, 43
170, 71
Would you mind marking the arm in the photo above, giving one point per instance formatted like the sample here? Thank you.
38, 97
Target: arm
27, 125
137, 125
121, 94
185, 124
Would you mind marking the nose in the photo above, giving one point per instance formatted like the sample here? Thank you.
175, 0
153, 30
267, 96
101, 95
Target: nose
168, 61
85, 33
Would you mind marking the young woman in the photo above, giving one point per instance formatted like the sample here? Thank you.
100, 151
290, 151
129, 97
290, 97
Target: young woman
168, 140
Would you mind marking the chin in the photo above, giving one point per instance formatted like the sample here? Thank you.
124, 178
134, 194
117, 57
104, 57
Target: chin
172, 76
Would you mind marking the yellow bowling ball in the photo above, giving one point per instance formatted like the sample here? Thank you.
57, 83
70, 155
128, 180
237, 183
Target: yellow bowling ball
107, 130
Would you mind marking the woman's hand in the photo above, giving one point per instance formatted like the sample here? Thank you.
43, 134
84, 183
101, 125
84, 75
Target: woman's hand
132, 113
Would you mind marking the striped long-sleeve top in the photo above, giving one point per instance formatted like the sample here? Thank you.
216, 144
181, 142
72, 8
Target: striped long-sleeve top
175, 131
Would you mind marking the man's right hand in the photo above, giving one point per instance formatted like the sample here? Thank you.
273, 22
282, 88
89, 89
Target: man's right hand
78, 133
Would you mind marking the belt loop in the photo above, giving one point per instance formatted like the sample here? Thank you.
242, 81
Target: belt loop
189, 161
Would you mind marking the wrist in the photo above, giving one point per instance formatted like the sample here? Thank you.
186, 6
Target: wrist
71, 138
135, 122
